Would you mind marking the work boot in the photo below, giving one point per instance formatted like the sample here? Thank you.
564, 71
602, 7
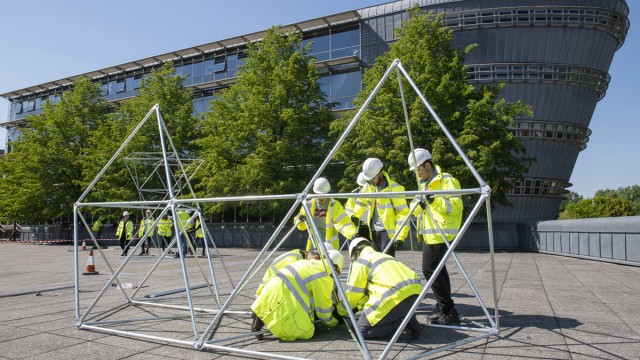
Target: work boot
415, 328
437, 312
256, 325
449, 317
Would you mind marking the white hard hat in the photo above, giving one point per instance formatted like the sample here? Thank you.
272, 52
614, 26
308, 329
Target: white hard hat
126, 213
361, 180
371, 167
329, 246
148, 211
355, 242
321, 186
421, 155
336, 259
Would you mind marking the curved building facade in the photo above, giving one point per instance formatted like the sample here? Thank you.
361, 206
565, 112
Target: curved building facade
551, 54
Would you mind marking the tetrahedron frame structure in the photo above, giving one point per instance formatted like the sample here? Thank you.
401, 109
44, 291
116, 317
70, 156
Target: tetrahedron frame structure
202, 340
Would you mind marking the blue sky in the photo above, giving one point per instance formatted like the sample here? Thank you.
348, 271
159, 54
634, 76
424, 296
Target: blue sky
49, 40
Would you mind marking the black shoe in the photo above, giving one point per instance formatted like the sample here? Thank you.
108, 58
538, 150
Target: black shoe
436, 313
449, 317
256, 325
177, 255
415, 328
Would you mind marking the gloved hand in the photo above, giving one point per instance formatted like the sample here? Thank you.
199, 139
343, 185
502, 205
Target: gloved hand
422, 203
338, 316
354, 219
399, 243
301, 218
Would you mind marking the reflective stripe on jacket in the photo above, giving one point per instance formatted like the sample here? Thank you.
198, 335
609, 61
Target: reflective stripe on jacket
290, 298
129, 229
165, 227
391, 211
446, 210
144, 227
279, 263
199, 232
183, 221
380, 282
337, 222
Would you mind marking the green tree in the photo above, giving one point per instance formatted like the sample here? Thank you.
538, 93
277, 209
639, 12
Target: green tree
597, 207
570, 198
266, 134
42, 177
160, 87
475, 116
629, 193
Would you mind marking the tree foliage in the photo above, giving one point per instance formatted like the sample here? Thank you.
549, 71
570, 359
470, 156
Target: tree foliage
624, 201
266, 134
479, 121
43, 175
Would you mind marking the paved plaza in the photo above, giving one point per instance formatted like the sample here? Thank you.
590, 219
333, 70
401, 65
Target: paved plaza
551, 307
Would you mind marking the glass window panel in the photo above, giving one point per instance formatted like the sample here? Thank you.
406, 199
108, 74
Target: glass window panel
345, 39
112, 87
187, 70
219, 64
232, 62
137, 80
128, 83
319, 44
120, 86
104, 89
347, 84
325, 85
30, 105
17, 108
198, 69
38, 103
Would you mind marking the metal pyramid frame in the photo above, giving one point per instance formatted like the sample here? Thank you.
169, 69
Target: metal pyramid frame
203, 340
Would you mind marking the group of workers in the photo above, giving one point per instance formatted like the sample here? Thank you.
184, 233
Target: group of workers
186, 226
298, 287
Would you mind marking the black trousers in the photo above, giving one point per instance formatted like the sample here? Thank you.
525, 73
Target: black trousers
431, 257
386, 327
380, 240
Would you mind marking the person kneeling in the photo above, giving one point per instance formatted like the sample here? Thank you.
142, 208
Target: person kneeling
288, 301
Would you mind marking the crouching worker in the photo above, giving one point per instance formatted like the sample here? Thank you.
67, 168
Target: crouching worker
288, 301
289, 258
383, 288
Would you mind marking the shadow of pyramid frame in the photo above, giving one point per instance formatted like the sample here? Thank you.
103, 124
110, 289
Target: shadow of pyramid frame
202, 340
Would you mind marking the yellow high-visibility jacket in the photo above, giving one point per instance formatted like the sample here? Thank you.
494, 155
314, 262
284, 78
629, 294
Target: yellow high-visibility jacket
129, 232
290, 298
165, 227
446, 210
199, 231
183, 221
337, 221
392, 211
144, 227
377, 283
278, 263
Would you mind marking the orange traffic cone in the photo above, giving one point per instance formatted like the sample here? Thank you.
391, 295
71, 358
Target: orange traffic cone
91, 268
84, 245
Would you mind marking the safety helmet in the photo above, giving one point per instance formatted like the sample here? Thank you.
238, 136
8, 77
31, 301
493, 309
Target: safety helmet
321, 186
329, 246
361, 180
336, 259
355, 242
126, 213
421, 155
371, 167
148, 211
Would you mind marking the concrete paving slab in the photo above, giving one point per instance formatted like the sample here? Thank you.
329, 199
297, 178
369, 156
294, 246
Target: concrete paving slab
551, 307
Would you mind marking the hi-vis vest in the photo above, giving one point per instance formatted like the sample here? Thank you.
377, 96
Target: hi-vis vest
165, 227
446, 210
183, 221
199, 231
337, 222
377, 283
129, 233
391, 211
279, 263
145, 225
290, 298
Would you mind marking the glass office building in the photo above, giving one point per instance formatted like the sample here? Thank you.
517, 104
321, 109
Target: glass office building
551, 54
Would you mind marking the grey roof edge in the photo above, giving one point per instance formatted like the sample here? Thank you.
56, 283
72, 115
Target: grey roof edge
623, 224
316, 23
394, 6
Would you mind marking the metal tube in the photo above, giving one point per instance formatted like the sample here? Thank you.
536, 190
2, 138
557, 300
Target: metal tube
493, 266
